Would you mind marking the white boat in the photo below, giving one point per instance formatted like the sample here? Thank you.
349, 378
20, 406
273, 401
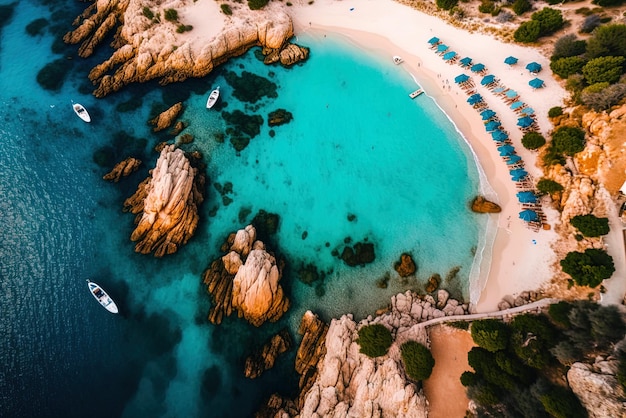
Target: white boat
415, 93
215, 94
81, 112
397, 59
102, 297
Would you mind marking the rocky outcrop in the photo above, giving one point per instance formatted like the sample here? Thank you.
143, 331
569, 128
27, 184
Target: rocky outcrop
166, 118
151, 48
166, 204
312, 349
524, 298
405, 267
123, 169
287, 56
279, 117
597, 388
246, 280
265, 358
482, 205
362, 253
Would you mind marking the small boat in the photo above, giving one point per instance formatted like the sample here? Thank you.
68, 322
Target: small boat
102, 297
215, 94
416, 93
81, 112
397, 59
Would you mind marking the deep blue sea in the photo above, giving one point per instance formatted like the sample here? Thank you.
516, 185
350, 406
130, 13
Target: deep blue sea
357, 148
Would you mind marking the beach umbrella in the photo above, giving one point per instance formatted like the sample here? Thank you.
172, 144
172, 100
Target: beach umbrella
528, 215
506, 149
517, 105
526, 197
461, 78
536, 83
513, 159
510, 60
525, 122
474, 98
511, 94
434, 40
487, 114
477, 68
492, 125
488, 79
527, 111
442, 48
518, 174
499, 89
465, 62
533, 67
449, 55
499, 135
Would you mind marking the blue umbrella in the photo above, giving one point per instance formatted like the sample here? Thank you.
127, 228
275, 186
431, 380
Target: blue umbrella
511, 94
536, 83
487, 114
527, 111
528, 215
492, 125
526, 197
434, 40
517, 105
498, 90
461, 78
465, 62
442, 48
499, 136
449, 55
506, 149
513, 159
477, 68
510, 60
474, 98
525, 122
488, 79
518, 174
533, 67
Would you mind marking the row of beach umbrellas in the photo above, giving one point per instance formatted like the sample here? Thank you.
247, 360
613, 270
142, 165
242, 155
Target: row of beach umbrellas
533, 67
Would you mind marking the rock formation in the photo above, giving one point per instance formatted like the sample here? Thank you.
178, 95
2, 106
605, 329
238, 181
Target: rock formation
482, 205
166, 118
265, 358
148, 48
122, 169
362, 253
405, 267
246, 280
166, 204
597, 388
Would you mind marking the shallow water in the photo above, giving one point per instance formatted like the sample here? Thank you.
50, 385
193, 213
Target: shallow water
357, 145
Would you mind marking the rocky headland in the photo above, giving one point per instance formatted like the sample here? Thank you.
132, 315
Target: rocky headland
149, 43
166, 204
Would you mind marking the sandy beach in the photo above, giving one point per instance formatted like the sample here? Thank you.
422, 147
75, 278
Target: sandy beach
520, 258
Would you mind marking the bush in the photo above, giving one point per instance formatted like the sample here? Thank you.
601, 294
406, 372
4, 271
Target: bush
527, 32
531, 339
609, 40
418, 361
562, 403
568, 46
590, 225
470, 379
621, 369
148, 13
447, 4
568, 140
552, 157
604, 69
170, 15
184, 28
226, 9
374, 340
605, 99
550, 20
490, 334
555, 111
590, 23
559, 313
521, 6
533, 140
564, 67
548, 186
566, 353
488, 6
588, 268
257, 4
608, 3
607, 326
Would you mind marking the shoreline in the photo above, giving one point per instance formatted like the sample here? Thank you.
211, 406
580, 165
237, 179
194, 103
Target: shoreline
520, 258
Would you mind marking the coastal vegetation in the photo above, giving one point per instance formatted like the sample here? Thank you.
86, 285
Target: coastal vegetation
588, 268
548, 186
544, 22
257, 4
446, 4
417, 359
590, 225
533, 140
374, 340
171, 15
226, 9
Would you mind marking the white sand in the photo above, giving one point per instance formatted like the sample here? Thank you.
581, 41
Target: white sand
521, 258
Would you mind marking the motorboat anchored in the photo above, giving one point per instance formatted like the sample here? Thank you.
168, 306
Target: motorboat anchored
215, 94
81, 112
102, 297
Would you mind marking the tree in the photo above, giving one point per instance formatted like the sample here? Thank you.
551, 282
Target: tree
562, 403
533, 140
446, 4
608, 3
528, 32
566, 353
590, 225
418, 361
559, 313
171, 15
531, 339
605, 98
549, 186
604, 69
490, 334
590, 23
257, 4
550, 20
555, 111
621, 368
607, 325
566, 66
521, 6
609, 40
374, 340
568, 46
588, 268
568, 140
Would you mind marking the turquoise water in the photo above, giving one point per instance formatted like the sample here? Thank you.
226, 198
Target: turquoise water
357, 145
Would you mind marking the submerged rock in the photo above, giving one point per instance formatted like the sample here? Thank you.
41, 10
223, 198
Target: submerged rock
165, 119
482, 205
362, 253
123, 169
405, 267
265, 358
279, 117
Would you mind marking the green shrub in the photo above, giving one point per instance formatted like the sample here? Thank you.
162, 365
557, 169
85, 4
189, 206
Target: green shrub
608, 3
418, 361
559, 313
604, 69
447, 4
527, 32
590, 23
552, 157
486, 6
468, 379
566, 353
589, 268
590, 225
604, 99
374, 340
568, 46
555, 111
621, 369
183, 28
568, 140
562, 403
226, 9
257, 4
490, 334
533, 140
170, 15
521, 6
566, 66
464, 325
147, 12
550, 20
545, 185
609, 40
